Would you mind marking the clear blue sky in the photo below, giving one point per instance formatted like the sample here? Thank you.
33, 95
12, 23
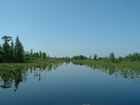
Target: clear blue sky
73, 27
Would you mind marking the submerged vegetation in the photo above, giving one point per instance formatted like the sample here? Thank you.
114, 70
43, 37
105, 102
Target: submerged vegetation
131, 72
11, 75
15, 73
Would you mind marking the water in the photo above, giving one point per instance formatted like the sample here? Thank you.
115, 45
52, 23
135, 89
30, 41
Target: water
69, 84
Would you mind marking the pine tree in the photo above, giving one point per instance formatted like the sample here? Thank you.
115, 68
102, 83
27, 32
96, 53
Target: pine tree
31, 54
44, 55
40, 54
6, 48
95, 57
1, 53
19, 51
12, 52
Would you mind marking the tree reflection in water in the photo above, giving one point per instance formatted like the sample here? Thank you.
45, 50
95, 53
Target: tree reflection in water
117, 71
13, 75
16, 73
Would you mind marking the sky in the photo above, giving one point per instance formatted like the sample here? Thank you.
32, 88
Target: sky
73, 27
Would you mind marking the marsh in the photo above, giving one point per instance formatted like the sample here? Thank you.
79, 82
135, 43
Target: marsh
69, 84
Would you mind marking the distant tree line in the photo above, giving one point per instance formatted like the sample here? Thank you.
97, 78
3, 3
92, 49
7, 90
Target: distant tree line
79, 57
132, 57
14, 52
111, 58
29, 56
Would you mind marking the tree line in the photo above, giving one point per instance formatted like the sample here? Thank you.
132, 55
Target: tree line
111, 58
14, 52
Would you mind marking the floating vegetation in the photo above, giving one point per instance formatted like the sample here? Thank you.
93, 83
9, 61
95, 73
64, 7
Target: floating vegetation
18, 72
129, 70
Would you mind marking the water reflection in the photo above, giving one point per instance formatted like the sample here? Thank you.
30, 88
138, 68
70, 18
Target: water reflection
12, 75
111, 70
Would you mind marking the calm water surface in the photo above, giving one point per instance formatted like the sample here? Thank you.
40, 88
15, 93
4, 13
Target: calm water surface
68, 85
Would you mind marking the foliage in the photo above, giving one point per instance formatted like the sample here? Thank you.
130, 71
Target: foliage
95, 57
132, 57
120, 58
14, 52
6, 48
122, 65
19, 51
10, 52
112, 58
125, 69
12, 74
80, 57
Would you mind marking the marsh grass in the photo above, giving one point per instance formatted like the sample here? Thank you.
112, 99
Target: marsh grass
14, 73
36, 64
130, 70
121, 65
18, 72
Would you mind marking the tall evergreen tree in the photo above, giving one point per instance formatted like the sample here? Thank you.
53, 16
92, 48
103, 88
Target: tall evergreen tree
1, 53
12, 52
6, 48
31, 54
44, 55
19, 51
95, 57
40, 54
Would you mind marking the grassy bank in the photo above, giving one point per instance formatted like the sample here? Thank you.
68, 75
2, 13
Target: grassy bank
91, 63
122, 65
38, 63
